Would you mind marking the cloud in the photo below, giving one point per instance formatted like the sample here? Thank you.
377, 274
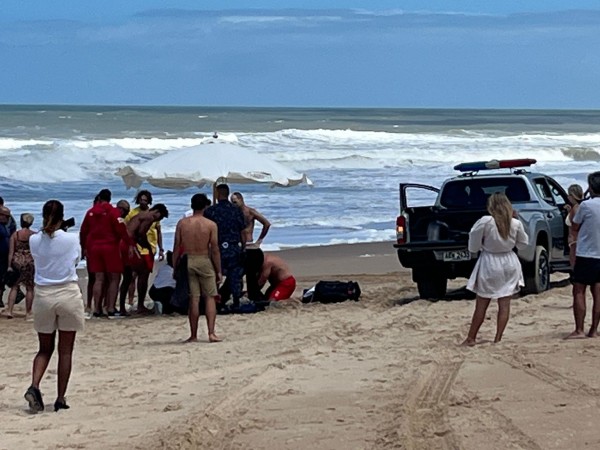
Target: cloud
177, 26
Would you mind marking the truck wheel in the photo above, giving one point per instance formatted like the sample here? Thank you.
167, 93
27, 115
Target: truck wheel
432, 287
537, 273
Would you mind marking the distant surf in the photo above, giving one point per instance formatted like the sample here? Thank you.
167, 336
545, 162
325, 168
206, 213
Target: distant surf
356, 157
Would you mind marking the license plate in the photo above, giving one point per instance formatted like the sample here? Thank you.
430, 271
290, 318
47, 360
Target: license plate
457, 255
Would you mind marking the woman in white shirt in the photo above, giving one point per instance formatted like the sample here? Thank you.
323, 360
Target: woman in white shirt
497, 273
58, 302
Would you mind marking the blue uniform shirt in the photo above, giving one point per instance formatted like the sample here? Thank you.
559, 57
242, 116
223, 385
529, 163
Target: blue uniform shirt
229, 219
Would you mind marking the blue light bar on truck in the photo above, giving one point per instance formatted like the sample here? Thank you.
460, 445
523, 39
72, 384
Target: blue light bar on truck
494, 164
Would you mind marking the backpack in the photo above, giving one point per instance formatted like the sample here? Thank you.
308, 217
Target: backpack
332, 292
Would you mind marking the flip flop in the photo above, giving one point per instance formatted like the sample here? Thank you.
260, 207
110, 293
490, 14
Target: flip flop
34, 398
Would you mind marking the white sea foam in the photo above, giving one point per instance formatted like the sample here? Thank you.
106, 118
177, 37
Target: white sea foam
356, 172
303, 150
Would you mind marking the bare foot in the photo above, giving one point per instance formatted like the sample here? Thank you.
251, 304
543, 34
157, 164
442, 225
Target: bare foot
496, 341
592, 334
191, 339
468, 343
212, 337
576, 335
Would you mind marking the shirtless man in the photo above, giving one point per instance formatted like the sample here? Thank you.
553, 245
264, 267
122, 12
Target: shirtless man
281, 282
197, 237
137, 228
254, 255
251, 215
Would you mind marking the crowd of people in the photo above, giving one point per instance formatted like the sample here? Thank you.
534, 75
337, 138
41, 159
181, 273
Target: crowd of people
213, 252
498, 274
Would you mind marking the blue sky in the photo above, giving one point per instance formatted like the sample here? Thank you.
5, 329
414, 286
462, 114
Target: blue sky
480, 53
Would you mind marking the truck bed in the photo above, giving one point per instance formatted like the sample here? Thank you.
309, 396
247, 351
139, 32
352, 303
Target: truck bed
435, 225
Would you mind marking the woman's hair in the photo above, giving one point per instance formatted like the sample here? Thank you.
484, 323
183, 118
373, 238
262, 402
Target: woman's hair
53, 214
26, 220
575, 191
144, 193
498, 205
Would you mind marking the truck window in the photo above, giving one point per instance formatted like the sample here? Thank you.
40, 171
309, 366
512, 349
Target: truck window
474, 192
544, 190
420, 197
558, 193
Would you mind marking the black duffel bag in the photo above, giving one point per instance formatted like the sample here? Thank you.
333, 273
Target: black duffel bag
332, 292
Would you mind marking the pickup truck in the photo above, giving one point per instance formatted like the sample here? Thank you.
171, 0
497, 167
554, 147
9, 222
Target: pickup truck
432, 240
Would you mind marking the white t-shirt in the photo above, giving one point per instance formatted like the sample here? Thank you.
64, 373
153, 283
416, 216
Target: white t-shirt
164, 277
55, 258
588, 238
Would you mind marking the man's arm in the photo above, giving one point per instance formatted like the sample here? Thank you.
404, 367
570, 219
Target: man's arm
83, 234
265, 224
242, 226
215, 253
161, 250
11, 249
12, 225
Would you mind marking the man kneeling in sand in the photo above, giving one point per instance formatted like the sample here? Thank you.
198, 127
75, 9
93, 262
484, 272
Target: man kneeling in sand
281, 282
196, 237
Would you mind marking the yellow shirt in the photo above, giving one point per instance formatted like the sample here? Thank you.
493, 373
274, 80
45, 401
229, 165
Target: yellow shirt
152, 232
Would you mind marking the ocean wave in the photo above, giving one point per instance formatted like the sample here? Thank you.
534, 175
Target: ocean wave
81, 158
582, 154
15, 144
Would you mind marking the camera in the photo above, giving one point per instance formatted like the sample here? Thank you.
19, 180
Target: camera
66, 224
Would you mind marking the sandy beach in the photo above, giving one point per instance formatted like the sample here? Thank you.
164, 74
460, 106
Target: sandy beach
385, 372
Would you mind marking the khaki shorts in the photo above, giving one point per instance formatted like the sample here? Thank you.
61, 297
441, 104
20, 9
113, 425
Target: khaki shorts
58, 307
201, 276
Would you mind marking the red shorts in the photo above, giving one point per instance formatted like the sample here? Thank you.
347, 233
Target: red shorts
104, 258
283, 290
136, 262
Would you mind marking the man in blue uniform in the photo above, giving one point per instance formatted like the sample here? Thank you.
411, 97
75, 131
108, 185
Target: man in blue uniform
232, 242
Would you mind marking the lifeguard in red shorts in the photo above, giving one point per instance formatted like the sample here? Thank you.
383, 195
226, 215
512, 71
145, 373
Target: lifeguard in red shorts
281, 281
101, 232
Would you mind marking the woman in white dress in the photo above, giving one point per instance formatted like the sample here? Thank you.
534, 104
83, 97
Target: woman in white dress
497, 273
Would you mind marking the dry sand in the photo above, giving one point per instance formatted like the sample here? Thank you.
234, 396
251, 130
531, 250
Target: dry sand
385, 372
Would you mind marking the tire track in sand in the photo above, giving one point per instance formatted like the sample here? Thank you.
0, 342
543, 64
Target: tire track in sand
548, 375
424, 422
473, 415
216, 427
